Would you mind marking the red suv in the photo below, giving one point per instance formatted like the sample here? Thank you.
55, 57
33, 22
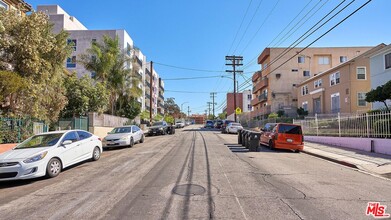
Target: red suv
282, 136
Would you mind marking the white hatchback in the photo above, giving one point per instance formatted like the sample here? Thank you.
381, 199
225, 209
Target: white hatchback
124, 136
49, 153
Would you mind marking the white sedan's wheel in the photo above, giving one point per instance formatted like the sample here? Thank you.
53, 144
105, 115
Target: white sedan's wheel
96, 154
53, 168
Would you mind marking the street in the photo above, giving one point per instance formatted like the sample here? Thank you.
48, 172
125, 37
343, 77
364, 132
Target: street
197, 174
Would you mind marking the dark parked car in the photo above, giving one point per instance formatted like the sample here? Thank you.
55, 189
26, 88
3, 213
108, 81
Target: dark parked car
224, 126
160, 127
218, 124
209, 124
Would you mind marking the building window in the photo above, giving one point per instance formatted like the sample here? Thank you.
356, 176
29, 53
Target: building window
249, 97
301, 59
324, 60
361, 99
304, 90
318, 83
249, 107
93, 40
93, 74
334, 79
295, 70
343, 59
72, 43
71, 62
304, 105
361, 73
3, 5
306, 73
387, 61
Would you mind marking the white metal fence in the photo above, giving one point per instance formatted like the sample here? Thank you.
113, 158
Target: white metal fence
376, 124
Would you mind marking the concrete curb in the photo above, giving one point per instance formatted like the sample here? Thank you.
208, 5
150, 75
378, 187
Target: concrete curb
351, 165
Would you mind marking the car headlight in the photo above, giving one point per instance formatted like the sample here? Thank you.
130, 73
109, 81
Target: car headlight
36, 157
161, 129
124, 138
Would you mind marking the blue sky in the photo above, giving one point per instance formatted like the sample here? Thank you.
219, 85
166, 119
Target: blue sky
199, 34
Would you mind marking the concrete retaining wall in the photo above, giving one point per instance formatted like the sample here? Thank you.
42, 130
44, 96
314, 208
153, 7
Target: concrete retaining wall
382, 146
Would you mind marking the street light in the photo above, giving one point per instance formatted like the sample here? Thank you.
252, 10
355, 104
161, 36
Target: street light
182, 106
236, 82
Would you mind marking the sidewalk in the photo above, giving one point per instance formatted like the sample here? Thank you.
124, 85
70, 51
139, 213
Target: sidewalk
375, 163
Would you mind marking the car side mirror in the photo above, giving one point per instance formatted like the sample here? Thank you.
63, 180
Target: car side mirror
66, 142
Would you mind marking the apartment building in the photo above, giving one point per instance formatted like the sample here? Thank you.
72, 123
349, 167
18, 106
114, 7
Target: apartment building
81, 38
17, 5
380, 71
275, 86
340, 89
243, 101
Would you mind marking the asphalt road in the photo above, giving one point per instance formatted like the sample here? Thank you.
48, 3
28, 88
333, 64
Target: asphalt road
197, 174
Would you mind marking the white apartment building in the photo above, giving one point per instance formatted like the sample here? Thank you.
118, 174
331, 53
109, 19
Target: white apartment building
81, 38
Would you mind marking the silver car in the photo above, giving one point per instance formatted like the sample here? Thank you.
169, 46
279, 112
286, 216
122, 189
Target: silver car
123, 136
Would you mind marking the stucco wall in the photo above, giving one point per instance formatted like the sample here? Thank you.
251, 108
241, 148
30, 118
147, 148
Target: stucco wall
382, 146
100, 131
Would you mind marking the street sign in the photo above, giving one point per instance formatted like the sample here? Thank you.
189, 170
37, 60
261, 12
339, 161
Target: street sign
238, 111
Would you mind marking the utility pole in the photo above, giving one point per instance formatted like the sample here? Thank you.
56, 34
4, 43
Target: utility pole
212, 95
235, 61
209, 103
188, 111
150, 94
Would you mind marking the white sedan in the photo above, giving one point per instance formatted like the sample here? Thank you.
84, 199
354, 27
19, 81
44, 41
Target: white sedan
49, 153
124, 136
233, 127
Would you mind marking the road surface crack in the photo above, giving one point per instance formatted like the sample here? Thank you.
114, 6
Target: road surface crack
297, 214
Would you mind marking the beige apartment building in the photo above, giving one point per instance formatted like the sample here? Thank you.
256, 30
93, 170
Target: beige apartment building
340, 89
18, 5
275, 86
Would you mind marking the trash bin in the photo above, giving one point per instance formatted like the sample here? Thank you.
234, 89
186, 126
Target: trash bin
246, 139
244, 132
239, 136
254, 141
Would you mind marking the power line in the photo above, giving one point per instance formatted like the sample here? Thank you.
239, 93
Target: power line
189, 78
240, 26
267, 17
328, 31
190, 69
248, 25
294, 44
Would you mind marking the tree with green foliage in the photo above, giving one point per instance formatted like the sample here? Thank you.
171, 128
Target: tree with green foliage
12, 86
171, 108
380, 94
144, 115
223, 115
115, 68
301, 112
272, 115
131, 109
169, 119
29, 48
84, 95
158, 117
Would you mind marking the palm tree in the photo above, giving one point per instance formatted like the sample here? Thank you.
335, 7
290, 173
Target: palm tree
116, 69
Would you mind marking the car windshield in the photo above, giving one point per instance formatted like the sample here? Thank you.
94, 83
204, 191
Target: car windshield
158, 123
289, 129
41, 140
121, 130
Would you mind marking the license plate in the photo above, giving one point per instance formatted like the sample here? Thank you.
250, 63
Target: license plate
289, 140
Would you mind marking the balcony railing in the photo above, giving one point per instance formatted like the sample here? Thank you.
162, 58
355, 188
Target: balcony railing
261, 84
262, 97
161, 96
139, 61
256, 76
